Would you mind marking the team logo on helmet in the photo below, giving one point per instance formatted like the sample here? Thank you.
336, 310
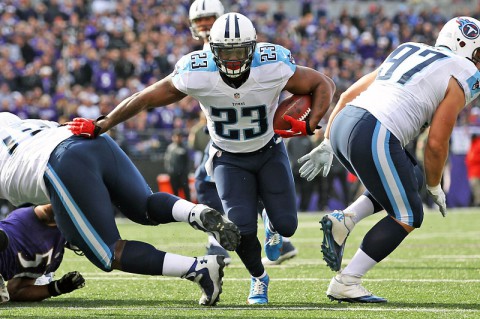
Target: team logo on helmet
469, 29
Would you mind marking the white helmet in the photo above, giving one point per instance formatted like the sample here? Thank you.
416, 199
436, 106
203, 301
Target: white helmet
232, 40
201, 9
462, 36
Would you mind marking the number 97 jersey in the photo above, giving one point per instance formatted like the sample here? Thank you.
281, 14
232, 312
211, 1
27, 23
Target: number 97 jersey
240, 120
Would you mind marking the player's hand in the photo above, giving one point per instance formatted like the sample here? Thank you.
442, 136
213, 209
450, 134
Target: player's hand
439, 198
319, 158
68, 283
84, 127
299, 128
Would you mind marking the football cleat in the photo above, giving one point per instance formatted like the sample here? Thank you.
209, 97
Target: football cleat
287, 252
258, 291
349, 289
336, 227
4, 296
273, 240
207, 272
215, 224
220, 251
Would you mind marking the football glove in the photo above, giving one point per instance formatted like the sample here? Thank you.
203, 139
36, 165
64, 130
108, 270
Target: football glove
68, 283
438, 197
299, 128
319, 158
85, 127
4, 296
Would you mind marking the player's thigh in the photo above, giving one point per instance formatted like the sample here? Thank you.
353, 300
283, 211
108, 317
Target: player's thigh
237, 189
277, 190
387, 172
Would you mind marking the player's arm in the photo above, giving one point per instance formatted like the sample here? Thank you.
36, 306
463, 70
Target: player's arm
352, 92
160, 93
24, 289
309, 81
443, 122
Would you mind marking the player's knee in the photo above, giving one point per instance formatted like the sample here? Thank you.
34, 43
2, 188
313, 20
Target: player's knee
286, 225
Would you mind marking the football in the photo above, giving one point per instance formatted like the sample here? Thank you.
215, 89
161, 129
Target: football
296, 106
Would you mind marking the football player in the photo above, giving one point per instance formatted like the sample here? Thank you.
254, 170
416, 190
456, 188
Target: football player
238, 84
202, 15
85, 180
35, 247
416, 87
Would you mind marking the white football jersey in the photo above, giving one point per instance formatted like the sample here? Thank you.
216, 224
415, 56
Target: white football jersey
25, 148
239, 120
410, 85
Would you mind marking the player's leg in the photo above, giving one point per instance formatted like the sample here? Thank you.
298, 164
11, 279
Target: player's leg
131, 194
86, 218
387, 172
207, 195
277, 191
237, 188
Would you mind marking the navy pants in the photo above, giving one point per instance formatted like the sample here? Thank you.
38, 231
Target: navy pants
371, 152
86, 179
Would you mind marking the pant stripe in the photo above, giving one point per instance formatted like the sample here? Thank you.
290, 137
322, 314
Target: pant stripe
389, 175
84, 228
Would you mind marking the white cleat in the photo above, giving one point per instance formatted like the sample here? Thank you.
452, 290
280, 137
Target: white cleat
350, 289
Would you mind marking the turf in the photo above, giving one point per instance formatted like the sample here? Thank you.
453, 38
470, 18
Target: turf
434, 273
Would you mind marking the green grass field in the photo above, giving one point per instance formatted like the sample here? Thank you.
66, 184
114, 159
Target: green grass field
434, 273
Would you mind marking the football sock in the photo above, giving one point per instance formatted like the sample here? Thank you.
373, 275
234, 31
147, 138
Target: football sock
250, 252
142, 258
181, 210
383, 238
176, 265
359, 209
359, 265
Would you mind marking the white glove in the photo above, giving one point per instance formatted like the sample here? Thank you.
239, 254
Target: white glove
319, 158
438, 197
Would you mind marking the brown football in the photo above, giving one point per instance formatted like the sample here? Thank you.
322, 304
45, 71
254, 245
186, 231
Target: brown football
297, 106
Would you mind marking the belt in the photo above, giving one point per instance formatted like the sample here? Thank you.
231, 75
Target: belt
274, 141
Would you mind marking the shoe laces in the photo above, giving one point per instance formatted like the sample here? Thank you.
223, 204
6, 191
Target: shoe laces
274, 239
259, 287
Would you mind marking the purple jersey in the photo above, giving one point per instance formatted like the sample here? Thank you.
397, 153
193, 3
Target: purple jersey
34, 248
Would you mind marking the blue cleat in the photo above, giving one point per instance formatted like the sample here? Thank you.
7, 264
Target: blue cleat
349, 289
258, 291
287, 252
273, 240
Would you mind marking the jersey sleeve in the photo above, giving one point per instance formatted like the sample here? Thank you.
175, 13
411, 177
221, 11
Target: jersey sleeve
275, 58
192, 74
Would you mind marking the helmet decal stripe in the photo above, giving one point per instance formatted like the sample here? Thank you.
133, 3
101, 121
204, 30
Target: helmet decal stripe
227, 29
203, 4
237, 28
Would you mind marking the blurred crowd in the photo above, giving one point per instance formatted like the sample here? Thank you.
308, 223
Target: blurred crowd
60, 59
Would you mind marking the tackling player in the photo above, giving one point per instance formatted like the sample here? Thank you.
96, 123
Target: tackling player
238, 84
35, 247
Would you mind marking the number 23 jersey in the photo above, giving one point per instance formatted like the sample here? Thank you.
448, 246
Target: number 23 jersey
239, 120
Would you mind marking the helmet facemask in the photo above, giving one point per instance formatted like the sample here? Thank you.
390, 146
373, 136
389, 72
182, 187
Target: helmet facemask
233, 59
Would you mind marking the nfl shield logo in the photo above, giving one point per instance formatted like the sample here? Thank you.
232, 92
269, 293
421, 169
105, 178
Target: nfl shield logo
236, 96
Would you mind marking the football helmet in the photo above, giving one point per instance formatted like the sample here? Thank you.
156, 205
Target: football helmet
232, 41
201, 9
462, 36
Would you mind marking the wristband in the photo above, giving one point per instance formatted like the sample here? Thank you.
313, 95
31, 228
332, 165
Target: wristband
53, 289
97, 128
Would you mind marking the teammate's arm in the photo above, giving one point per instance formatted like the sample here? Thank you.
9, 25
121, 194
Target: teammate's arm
352, 92
443, 122
306, 80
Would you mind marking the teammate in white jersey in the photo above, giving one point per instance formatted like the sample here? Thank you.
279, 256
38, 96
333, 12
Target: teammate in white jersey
238, 84
415, 87
85, 180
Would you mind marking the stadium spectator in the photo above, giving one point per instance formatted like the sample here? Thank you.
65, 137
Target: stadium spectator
84, 200
177, 164
250, 161
368, 131
30, 232
472, 161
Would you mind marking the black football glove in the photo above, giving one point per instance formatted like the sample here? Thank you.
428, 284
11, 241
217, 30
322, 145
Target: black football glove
68, 283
